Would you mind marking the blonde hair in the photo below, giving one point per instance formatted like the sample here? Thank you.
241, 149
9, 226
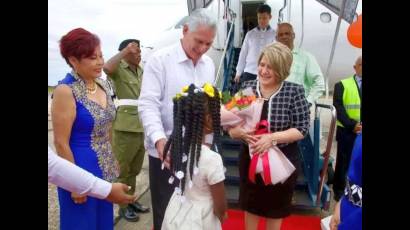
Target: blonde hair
280, 59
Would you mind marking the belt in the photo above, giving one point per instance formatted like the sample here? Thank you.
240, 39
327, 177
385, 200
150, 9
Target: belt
120, 102
354, 193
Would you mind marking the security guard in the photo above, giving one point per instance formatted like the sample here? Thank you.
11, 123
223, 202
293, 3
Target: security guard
128, 133
347, 99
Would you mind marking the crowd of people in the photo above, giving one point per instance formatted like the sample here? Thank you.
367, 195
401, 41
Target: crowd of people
170, 110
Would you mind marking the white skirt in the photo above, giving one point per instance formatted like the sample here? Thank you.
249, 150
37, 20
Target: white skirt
189, 215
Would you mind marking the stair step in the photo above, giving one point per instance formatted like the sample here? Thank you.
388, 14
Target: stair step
232, 170
228, 142
231, 157
232, 175
301, 181
232, 194
301, 199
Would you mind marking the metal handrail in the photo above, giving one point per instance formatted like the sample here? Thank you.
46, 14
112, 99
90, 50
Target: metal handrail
303, 24
225, 50
326, 154
332, 52
280, 16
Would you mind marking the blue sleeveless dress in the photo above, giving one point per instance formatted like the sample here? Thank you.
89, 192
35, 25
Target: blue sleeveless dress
89, 142
350, 214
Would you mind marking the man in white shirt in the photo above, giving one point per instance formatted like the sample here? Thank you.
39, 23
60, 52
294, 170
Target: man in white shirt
75, 179
165, 74
255, 40
305, 69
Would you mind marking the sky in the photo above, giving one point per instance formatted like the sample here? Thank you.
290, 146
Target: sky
116, 20
112, 20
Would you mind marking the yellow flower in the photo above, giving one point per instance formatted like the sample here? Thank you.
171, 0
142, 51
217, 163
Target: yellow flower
220, 95
185, 89
178, 95
209, 89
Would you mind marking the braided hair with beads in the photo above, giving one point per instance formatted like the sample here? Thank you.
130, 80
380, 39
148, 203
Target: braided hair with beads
184, 144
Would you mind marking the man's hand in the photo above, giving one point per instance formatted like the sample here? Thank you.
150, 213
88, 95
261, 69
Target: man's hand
119, 194
159, 145
357, 128
78, 199
237, 78
132, 48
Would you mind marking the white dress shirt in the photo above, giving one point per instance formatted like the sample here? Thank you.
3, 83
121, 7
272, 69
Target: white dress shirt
358, 80
255, 41
165, 74
72, 178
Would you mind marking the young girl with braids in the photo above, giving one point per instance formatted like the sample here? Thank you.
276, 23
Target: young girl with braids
199, 201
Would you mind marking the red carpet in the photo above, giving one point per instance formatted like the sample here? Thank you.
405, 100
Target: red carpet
236, 221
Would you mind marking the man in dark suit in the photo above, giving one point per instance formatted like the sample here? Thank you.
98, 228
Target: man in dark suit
347, 98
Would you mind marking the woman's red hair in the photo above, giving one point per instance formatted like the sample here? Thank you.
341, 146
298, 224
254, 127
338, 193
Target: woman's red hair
78, 43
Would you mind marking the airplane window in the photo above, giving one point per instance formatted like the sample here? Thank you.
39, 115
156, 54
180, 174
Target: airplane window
325, 17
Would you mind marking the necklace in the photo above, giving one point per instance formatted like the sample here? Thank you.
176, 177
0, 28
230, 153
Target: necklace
93, 89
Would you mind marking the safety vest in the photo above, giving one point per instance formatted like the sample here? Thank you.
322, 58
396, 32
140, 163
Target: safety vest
351, 99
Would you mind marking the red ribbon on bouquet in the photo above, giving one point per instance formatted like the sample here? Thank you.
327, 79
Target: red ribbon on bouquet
261, 128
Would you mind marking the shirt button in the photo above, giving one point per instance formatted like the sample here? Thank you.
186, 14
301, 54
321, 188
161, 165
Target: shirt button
125, 110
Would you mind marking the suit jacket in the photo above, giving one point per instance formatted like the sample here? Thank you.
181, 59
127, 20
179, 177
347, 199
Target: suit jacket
341, 113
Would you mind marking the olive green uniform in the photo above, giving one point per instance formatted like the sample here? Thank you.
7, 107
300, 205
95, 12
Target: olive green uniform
128, 133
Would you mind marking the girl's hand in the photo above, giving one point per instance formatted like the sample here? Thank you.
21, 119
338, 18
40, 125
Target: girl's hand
263, 143
335, 220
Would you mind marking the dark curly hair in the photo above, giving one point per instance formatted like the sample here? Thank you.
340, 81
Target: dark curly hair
186, 137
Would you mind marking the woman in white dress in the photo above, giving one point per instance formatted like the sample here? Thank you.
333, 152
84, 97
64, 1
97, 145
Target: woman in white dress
199, 201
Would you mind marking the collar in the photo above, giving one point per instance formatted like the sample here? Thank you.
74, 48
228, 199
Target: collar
74, 74
82, 82
181, 55
357, 78
267, 28
295, 50
270, 99
123, 63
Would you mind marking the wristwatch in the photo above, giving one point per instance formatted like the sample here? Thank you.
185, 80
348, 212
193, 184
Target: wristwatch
274, 141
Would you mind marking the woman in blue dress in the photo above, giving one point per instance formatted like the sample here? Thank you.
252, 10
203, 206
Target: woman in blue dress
348, 211
82, 112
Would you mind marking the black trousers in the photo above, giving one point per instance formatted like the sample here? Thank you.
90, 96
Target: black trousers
345, 141
247, 77
244, 77
161, 190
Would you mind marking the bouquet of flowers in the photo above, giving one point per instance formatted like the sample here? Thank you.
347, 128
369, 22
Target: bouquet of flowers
273, 165
244, 106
